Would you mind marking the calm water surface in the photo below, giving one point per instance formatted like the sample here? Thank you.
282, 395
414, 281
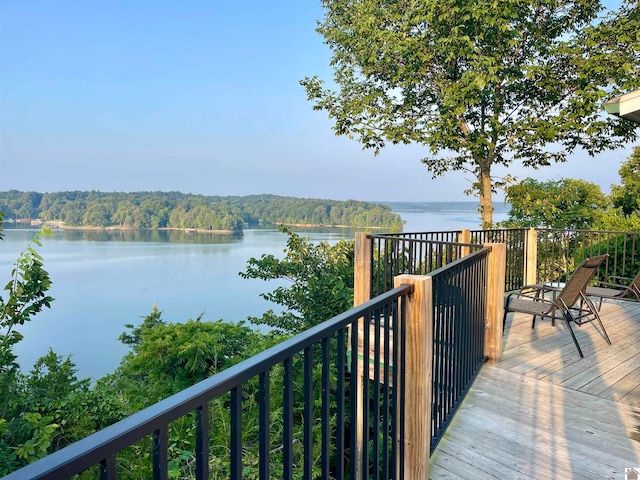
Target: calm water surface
102, 282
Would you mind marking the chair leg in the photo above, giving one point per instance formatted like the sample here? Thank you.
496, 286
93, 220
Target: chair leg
597, 315
593, 309
569, 318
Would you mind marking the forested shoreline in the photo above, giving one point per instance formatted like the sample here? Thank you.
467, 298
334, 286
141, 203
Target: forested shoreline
176, 210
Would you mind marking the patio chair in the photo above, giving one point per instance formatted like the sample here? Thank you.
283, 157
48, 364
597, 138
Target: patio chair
630, 290
569, 302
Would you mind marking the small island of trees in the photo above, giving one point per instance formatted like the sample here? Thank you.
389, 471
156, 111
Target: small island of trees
175, 210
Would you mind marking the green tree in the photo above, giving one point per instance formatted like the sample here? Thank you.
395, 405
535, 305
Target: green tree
627, 196
166, 358
479, 83
134, 337
25, 434
565, 203
26, 296
321, 282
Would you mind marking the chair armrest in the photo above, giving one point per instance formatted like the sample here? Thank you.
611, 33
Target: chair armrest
611, 284
532, 294
621, 278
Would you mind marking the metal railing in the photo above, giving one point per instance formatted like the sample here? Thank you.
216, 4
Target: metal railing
412, 253
459, 314
316, 401
515, 242
459, 311
560, 251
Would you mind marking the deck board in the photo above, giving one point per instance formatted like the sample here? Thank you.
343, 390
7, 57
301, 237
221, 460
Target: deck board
544, 412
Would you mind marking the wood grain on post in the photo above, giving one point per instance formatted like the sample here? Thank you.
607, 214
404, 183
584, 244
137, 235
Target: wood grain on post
465, 237
531, 257
363, 262
418, 351
496, 271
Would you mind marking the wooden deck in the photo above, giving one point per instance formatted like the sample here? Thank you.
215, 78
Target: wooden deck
545, 413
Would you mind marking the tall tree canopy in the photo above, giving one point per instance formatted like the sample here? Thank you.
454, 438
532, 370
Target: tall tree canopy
564, 203
479, 82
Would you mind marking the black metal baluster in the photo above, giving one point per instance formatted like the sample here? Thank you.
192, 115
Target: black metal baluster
236, 433
265, 424
376, 395
325, 413
108, 468
287, 434
353, 395
160, 447
308, 412
385, 393
202, 442
366, 365
340, 393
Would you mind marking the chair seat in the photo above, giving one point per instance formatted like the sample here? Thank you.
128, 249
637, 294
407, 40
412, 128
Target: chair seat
534, 307
604, 292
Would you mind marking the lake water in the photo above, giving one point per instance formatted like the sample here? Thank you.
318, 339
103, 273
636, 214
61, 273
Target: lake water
102, 282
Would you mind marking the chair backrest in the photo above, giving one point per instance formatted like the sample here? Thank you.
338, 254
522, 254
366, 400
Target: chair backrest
579, 280
634, 287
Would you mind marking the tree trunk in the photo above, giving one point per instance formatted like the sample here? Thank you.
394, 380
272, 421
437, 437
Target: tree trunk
486, 202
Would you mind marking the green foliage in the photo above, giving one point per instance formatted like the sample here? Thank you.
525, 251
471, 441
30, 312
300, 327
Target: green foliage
479, 83
565, 203
24, 435
26, 296
41, 433
614, 220
321, 282
627, 196
176, 210
134, 338
185, 353
48, 408
166, 358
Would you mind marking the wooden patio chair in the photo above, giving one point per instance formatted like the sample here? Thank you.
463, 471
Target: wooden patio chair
570, 301
624, 289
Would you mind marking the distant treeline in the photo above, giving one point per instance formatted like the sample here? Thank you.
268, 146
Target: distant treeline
180, 210
499, 207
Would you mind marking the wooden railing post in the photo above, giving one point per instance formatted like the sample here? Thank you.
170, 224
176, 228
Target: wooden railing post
530, 257
497, 264
465, 237
418, 352
363, 262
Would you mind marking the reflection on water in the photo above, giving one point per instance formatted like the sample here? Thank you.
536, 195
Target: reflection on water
162, 236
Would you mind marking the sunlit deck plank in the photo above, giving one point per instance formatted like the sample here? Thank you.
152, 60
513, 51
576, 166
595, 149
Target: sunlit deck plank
546, 413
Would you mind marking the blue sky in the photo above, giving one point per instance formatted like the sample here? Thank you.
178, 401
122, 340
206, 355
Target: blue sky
198, 97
